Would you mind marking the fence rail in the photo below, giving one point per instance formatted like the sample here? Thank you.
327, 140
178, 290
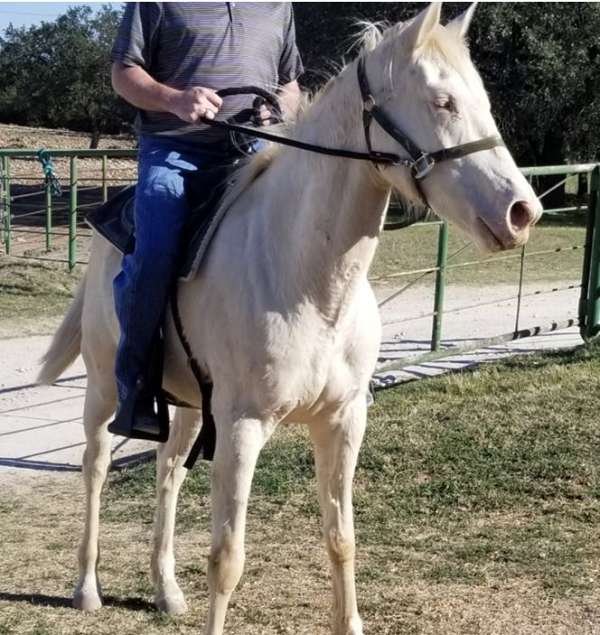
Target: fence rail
78, 184
81, 186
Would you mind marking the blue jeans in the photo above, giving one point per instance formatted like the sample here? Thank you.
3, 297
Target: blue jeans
142, 287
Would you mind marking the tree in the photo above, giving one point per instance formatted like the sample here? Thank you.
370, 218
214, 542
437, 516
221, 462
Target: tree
58, 74
539, 63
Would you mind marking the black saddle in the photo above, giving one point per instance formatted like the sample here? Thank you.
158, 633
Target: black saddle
204, 190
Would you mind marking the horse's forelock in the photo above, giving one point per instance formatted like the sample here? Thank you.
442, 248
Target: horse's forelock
450, 48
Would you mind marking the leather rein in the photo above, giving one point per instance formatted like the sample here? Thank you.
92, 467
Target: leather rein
420, 163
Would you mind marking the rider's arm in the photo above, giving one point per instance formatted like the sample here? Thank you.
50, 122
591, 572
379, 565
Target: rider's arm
133, 55
137, 87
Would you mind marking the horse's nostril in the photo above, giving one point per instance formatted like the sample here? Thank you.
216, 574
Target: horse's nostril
521, 215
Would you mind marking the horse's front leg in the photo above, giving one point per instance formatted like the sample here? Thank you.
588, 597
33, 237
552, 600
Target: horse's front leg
170, 474
238, 447
336, 444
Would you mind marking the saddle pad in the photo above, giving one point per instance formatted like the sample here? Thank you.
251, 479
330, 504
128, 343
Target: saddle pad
204, 190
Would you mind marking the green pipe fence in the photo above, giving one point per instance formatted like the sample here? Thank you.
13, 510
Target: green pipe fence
6, 202
440, 286
589, 304
72, 208
72, 212
48, 217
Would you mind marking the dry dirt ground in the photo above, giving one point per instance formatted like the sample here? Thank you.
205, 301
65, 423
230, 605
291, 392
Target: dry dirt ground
24, 137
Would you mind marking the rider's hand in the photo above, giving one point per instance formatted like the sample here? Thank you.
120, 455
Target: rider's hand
194, 103
264, 116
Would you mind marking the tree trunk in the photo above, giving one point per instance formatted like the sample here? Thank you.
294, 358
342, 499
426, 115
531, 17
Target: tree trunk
95, 139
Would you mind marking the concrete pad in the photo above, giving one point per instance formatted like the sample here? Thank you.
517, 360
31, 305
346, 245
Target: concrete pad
41, 426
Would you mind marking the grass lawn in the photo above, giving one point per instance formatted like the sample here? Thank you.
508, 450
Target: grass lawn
31, 290
416, 248
477, 504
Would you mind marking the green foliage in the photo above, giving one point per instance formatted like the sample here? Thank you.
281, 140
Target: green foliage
57, 74
539, 61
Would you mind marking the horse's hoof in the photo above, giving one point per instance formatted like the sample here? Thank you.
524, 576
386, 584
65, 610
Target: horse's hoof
174, 604
352, 626
86, 601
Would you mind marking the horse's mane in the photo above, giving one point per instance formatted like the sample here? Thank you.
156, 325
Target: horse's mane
442, 45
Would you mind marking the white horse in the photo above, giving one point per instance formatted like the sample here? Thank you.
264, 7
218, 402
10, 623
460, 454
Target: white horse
282, 317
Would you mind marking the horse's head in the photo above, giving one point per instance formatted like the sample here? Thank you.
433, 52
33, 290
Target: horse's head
421, 75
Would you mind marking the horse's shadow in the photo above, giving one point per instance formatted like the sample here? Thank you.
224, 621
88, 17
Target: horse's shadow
55, 601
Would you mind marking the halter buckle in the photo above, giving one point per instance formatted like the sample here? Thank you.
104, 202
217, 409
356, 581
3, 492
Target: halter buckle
369, 103
422, 166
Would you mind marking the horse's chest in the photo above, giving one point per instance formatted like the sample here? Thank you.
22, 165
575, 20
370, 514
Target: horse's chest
316, 363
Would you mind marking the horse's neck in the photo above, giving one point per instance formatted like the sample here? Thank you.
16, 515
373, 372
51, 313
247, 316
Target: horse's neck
326, 216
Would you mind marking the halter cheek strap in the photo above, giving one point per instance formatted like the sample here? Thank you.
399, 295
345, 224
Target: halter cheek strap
420, 162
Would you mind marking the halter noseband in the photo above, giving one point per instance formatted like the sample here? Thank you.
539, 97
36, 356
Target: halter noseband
420, 162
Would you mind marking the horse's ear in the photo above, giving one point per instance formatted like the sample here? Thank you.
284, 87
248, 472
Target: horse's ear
461, 24
420, 28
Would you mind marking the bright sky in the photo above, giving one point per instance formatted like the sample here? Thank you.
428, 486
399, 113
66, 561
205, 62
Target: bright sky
28, 13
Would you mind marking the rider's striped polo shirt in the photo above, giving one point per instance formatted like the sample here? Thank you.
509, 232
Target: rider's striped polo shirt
211, 44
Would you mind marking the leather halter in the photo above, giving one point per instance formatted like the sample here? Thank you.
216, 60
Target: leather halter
420, 162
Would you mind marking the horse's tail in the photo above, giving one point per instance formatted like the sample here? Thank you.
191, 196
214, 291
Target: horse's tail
66, 343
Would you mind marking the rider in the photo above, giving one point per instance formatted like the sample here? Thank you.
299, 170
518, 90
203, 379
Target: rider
169, 59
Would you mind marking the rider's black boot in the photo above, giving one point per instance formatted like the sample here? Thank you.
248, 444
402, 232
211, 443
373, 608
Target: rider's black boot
142, 415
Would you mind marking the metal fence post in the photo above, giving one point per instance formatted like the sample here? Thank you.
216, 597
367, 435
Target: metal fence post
48, 217
589, 304
104, 184
73, 213
440, 283
6, 203
520, 292
2, 200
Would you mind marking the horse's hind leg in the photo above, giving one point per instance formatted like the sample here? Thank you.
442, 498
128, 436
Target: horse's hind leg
99, 405
170, 475
336, 445
238, 447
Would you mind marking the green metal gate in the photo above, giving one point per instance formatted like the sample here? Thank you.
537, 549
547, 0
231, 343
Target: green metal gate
589, 304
